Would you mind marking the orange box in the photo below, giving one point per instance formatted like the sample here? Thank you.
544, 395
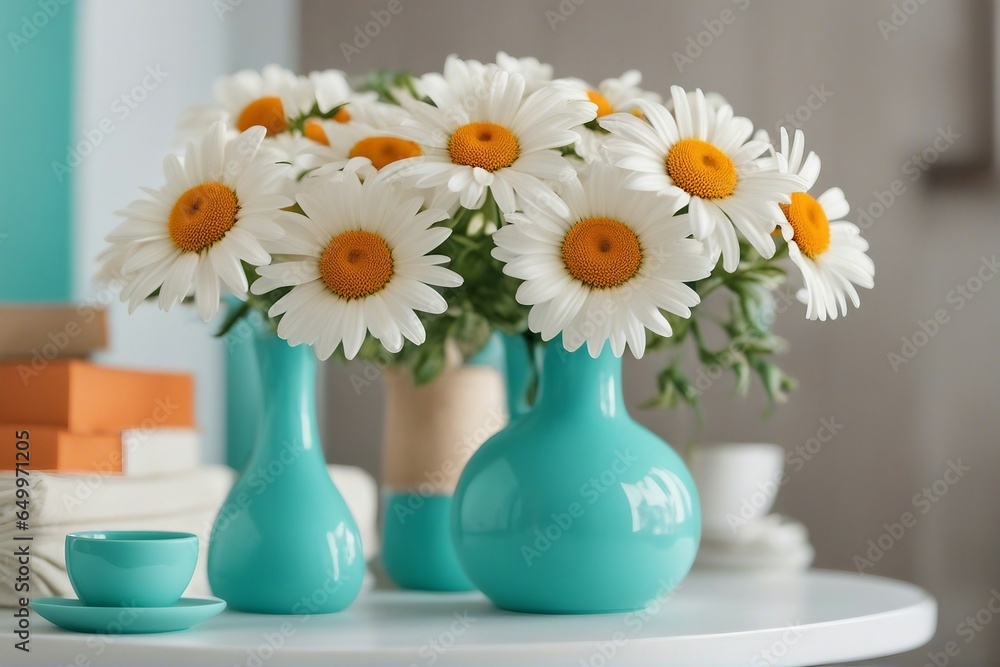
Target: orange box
53, 449
85, 398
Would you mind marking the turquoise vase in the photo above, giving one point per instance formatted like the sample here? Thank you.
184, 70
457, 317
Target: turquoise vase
519, 370
416, 544
575, 508
242, 384
284, 541
417, 551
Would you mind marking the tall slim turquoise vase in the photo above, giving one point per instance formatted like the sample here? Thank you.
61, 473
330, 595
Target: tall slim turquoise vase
575, 508
285, 541
242, 384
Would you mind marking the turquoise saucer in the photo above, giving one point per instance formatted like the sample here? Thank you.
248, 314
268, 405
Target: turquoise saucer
71, 614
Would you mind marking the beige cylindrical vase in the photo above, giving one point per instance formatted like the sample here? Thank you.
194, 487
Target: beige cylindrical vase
430, 433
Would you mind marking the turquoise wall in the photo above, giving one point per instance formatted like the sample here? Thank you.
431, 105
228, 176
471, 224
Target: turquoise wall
36, 76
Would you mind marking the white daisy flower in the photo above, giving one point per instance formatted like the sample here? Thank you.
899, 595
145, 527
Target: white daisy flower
368, 142
271, 98
617, 93
536, 74
483, 136
357, 262
607, 269
831, 255
368, 145
706, 163
713, 102
611, 96
219, 202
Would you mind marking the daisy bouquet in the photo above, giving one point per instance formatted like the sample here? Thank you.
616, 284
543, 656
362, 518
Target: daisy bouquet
388, 219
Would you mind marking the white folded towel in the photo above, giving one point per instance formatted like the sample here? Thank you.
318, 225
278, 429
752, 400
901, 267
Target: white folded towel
185, 501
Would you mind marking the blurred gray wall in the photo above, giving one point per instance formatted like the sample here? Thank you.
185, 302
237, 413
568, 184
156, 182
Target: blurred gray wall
885, 80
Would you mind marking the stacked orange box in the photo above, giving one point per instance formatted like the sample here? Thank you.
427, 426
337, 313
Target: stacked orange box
79, 416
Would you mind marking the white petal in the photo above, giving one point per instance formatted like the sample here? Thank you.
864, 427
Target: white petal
178, 282
206, 293
229, 269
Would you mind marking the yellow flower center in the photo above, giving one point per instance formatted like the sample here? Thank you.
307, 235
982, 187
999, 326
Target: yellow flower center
486, 145
356, 264
314, 130
602, 252
811, 228
202, 216
266, 111
384, 150
603, 106
342, 115
700, 169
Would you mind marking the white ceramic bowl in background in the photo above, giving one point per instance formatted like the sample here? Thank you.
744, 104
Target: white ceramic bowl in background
737, 482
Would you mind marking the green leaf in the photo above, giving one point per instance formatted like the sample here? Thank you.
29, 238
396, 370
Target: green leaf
746, 325
232, 317
429, 365
470, 331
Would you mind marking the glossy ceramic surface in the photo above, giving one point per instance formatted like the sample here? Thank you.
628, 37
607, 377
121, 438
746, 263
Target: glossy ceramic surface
74, 615
519, 371
113, 568
417, 551
575, 507
242, 385
285, 541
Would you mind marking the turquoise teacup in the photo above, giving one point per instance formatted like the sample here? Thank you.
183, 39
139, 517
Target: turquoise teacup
130, 568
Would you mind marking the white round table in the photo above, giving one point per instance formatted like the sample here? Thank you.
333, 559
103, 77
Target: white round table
715, 619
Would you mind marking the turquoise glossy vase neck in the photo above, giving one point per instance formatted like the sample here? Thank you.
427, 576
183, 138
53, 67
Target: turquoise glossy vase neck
576, 382
288, 388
